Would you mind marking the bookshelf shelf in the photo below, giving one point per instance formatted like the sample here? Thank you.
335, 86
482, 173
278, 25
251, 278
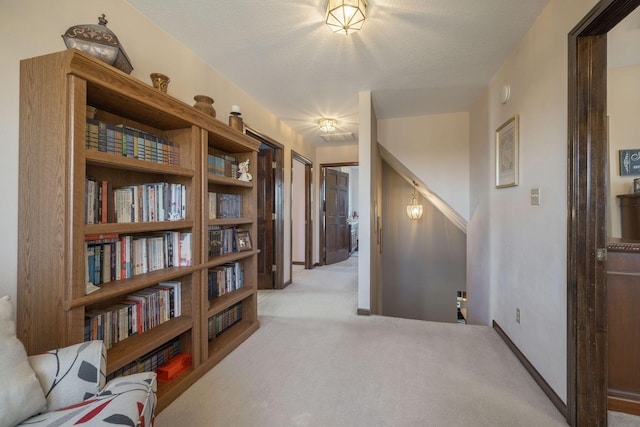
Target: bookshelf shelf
230, 221
137, 227
231, 257
64, 98
137, 345
227, 300
124, 287
123, 163
169, 391
224, 344
223, 180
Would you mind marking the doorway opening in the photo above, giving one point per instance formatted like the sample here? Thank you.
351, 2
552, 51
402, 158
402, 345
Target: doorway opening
301, 220
587, 332
270, 212
338, 212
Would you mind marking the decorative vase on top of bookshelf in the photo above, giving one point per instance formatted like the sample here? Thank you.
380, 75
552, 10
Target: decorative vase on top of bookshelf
204, 103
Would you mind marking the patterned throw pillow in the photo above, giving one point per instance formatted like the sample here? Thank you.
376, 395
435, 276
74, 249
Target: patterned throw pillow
71, 374
20, 393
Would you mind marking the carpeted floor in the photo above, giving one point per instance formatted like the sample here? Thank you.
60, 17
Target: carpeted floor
314, 362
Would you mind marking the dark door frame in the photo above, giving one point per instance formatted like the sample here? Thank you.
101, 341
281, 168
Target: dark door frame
323, 166
308, 226
586, 222
278, 183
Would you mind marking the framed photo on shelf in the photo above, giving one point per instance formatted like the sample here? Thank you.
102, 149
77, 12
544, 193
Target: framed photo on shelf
243, 240
507, 153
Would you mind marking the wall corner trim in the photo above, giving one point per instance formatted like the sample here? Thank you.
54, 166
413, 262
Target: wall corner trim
546, 388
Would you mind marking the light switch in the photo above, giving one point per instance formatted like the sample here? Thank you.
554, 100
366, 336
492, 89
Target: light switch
535, 196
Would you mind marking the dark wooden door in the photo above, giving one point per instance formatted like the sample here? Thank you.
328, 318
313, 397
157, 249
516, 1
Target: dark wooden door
265, 218
336, 206
308, 222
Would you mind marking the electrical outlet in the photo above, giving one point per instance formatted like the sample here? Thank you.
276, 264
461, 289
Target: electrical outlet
518, 314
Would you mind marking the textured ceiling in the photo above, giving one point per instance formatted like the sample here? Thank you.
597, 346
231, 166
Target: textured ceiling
417, 57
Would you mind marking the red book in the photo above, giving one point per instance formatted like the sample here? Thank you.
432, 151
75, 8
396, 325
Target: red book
174, 367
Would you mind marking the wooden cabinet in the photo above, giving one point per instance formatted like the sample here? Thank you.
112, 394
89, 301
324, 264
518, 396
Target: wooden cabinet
56, 159
630, 216
623, 327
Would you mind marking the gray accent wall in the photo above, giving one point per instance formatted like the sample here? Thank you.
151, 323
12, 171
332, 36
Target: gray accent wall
423, 261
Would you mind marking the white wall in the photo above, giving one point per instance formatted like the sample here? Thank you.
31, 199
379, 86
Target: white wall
28, 29
623, 107
436, 149
337, 154
481, 164
352, 202
370, 211
527, 244
354, 189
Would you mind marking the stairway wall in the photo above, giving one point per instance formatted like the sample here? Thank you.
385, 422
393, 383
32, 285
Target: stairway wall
423, 261
435, 149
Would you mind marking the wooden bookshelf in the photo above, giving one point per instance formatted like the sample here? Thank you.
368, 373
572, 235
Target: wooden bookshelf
56, 160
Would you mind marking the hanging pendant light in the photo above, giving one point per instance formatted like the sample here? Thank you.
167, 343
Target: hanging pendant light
414, 209
345, 16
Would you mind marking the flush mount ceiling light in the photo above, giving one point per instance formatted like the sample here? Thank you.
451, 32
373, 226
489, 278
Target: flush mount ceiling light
327, 125
345, 16
414, 209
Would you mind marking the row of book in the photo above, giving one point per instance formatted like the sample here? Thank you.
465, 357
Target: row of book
160, 201
136, 313
224, 279
126, 141
222, 165
224, 320
150, 361
223, 205
111, 257
222, 240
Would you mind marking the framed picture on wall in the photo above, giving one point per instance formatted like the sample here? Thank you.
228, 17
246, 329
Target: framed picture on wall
629, 162
507, 153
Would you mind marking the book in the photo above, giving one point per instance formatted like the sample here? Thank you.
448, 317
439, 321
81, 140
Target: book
176, 305
90, 200
122, 140
185, 249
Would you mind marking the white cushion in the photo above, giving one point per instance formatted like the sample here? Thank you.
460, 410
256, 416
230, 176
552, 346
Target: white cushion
20, 393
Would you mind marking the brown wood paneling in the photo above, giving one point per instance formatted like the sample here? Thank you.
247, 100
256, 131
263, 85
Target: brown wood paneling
623, 302
630, 216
